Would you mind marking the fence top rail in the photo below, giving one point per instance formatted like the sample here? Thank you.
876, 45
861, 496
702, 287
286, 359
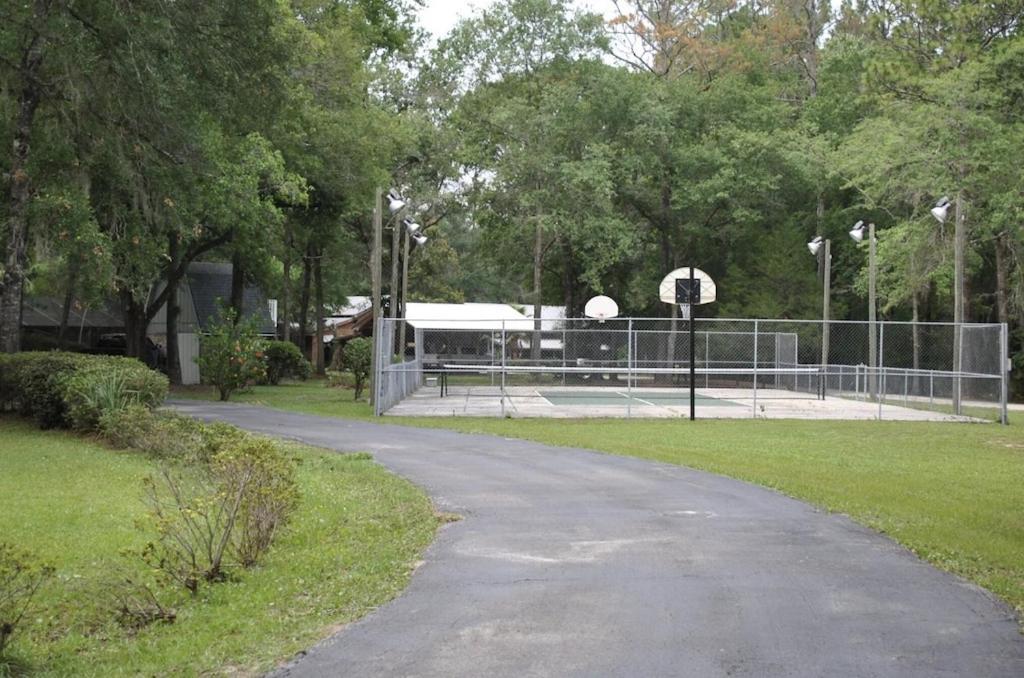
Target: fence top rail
831, 370
528, 324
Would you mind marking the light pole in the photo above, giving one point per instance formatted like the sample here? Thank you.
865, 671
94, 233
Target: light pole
857, 233
815, 246
941, 213
412, 231
395, 204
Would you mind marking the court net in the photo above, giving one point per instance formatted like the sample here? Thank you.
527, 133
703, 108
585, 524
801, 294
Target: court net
639, 367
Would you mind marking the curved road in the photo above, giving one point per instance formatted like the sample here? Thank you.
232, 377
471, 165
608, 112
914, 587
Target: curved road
574, 563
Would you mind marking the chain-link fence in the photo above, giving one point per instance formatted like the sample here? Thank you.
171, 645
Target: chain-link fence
644, 367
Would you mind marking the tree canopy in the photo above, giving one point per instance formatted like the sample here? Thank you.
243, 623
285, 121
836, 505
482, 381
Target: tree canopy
551, 154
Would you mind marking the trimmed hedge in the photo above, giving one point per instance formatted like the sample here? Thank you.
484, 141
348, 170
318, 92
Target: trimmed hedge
60, 389
284, 359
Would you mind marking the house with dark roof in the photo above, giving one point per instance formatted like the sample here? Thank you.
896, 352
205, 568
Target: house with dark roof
99, 328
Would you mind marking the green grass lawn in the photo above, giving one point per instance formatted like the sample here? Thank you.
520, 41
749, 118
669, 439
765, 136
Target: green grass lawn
350, 547
311, 397
952, 493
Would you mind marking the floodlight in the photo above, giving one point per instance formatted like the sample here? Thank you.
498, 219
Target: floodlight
941, 210
815, 245
410, 225
857, 233
395, 201
419, 239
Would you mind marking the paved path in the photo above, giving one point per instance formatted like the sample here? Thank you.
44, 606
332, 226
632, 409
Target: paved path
573, 563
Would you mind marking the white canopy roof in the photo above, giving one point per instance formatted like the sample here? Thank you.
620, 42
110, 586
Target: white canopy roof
487, 317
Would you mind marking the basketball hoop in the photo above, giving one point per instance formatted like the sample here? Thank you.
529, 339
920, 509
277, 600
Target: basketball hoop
601, 308
688, 287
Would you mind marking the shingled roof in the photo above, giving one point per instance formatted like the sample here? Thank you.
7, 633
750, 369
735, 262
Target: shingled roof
211, 282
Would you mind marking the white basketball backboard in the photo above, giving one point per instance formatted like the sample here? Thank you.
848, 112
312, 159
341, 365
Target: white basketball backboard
667, 291
601, 307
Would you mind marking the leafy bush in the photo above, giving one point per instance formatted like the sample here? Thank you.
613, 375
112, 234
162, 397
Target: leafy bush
110, 385
60, 389
208, 514
30, 384
337, 379
231, 355
166, 435
355, 358
20, 578
284, 359
269, 497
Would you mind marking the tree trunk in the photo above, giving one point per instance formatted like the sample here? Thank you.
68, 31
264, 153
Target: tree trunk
538, 270
286, 284
318, 349
69, 298
915, 304
135, 325
29, 96
307, 271
173, 312
237, 285
568, 281
1002, 286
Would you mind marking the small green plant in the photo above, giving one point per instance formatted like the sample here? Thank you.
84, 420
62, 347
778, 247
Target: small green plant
338, 379
20, 577
210, 517
231, 355
99, 389
284, 359
270, 494
355, 358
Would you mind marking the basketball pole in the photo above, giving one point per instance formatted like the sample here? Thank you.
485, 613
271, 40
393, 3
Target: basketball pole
693, 371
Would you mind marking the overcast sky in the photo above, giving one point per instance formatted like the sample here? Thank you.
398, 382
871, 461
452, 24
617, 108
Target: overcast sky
439, 16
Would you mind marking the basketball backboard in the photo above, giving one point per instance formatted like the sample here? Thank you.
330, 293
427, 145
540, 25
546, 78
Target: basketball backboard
601, 307
675, 287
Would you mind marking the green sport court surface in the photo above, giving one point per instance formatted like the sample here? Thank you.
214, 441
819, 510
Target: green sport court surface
639, 398
474, 399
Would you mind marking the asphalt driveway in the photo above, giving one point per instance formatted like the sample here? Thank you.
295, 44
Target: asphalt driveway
574, 563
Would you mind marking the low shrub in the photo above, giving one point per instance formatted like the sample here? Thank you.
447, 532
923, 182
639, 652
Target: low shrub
30, 384
166, 435
337, 379
231, 355
110, 385
60, 389
269, 493
284, 359
355, 358
21, 575
210, 517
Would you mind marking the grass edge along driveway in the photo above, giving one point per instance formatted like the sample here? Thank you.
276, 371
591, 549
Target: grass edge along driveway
952, 493
351, 547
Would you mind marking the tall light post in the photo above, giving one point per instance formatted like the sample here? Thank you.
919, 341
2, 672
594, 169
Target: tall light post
412, 231
395, 205
815, 246
941, 213
857, 233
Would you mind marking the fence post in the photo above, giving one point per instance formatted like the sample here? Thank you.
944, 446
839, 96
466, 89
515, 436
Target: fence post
629, 368
755, 369
707, 359
958, 366
564, 337
1004, 370
880, 377
503, 369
